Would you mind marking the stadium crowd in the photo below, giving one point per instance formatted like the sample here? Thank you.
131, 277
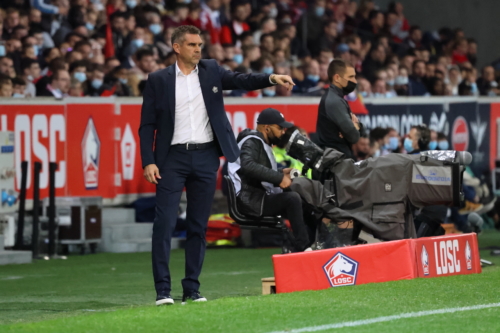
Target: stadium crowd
100, 48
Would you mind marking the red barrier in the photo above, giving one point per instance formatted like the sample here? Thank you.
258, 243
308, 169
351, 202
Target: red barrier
447, 255
381, 262
345, 266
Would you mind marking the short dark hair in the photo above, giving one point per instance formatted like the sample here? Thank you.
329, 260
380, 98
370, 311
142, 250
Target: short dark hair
180, 32
75, 64
337, 66
416, 62
26, 63
96, 67
55, 75
378, 133
82, 43
141, 53
424, 136
17, 81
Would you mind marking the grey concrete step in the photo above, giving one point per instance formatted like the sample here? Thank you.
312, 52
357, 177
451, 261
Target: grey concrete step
112, 216
138, 245
15, 257
121, 232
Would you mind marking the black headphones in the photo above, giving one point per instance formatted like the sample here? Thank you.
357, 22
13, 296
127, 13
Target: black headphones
425, 137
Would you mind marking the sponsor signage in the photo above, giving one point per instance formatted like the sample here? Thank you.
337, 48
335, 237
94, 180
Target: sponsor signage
431, 175
341, 270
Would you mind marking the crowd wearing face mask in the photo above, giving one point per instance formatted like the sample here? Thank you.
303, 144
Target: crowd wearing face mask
120, 42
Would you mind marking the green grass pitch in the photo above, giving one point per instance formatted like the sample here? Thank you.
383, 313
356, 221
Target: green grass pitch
114, 293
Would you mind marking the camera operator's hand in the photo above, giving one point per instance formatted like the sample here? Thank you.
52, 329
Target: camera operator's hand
286, 182
151, 172
286, 171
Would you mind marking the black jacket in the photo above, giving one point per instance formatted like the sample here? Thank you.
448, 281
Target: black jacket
255, 168
334, 117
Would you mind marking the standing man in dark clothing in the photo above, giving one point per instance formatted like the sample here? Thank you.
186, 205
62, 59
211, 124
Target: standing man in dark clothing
337, 126
184, 129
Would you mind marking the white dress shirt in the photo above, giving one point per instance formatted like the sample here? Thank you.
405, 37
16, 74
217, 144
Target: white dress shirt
191, 119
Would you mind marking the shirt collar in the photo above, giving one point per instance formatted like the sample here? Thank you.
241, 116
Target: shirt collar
337, 90
178, 71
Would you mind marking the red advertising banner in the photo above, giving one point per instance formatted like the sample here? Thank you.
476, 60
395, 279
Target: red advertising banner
494, 134
353, 265
447, 255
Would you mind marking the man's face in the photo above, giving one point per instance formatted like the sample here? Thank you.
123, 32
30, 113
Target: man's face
214, 4
325, 57
62, 82
97, 75
489, 74
112, 64
240, 13
20, 33
313, 68
416, 35
85, 50
349, 75
274, 133
331, 29
18, 89
363, 147
35, 16
35, 70
119, 24
419, 69
6, 90
13, 45
6, 65
268, 43
147, 64
12, 20
413, 136
189, 50
139, 33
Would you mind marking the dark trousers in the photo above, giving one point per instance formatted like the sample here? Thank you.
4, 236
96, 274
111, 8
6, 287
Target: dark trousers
289, 205
196, 170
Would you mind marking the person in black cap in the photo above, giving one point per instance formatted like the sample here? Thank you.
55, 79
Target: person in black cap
259, 184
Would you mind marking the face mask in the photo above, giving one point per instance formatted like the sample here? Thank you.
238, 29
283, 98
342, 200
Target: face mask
81, 77
320, 11
96, 83
473, 88
443, 145
378, 95
286, 20
138, 42
433, 145
273, 140
36, 48
408, 145
386, 146
124, 81
155, 28
393, 143
349, 88
268, 70
377, 153
238, 58
364, 94
390, 82
313, 78
131, 3
273, 12
16, 95
2, 50
269, 93
401, 80
187, 1
89, 26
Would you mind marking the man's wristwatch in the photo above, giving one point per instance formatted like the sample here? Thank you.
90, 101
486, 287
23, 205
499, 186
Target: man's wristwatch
271, 78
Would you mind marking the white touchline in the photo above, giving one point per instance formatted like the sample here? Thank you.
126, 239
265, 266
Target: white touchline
389, 318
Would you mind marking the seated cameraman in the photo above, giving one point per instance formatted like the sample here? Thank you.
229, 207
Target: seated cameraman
259, 183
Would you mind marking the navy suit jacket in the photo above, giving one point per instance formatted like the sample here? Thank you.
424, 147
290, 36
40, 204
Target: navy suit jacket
158, 109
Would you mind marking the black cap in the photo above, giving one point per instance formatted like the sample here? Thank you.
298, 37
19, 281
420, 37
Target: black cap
272, 116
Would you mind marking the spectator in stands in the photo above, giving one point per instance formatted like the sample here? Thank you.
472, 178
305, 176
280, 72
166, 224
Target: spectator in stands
361, 149
231, 31
267, 44
487, 84
7, 66
374, 62
364, 87
267, 26
438, 87
370, 28
181, 15
216, 52
144, 64
75, 88
58, 86
468, 86
30, 72
442, 141
416, 86
311, 84
78, 70
120, 76
379, 90
414, 40
210, 19
454, 79
472, 51
394, 140
95, 81
251, 53
312, 20
111, 63
417, 140
460, 49
18, 87
5, 86
381, 137
328, 39
193, 17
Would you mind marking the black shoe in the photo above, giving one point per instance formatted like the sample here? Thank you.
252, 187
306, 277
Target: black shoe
164, 300
193, 296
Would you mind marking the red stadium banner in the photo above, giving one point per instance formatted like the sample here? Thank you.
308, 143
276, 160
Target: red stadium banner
494, 134
346, 266
447, 255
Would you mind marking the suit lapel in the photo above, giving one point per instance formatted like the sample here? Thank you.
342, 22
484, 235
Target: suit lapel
171, 90
205, 85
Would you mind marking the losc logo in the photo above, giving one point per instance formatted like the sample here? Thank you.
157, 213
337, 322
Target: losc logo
91, 147
341, 270
425, 260
460, 134
127, 147
468, 256
446, 257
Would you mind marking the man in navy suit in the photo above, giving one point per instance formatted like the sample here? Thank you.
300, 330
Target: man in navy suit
183, 131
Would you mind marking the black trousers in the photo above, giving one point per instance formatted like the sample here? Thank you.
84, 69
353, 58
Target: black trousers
289, 204
196, 170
